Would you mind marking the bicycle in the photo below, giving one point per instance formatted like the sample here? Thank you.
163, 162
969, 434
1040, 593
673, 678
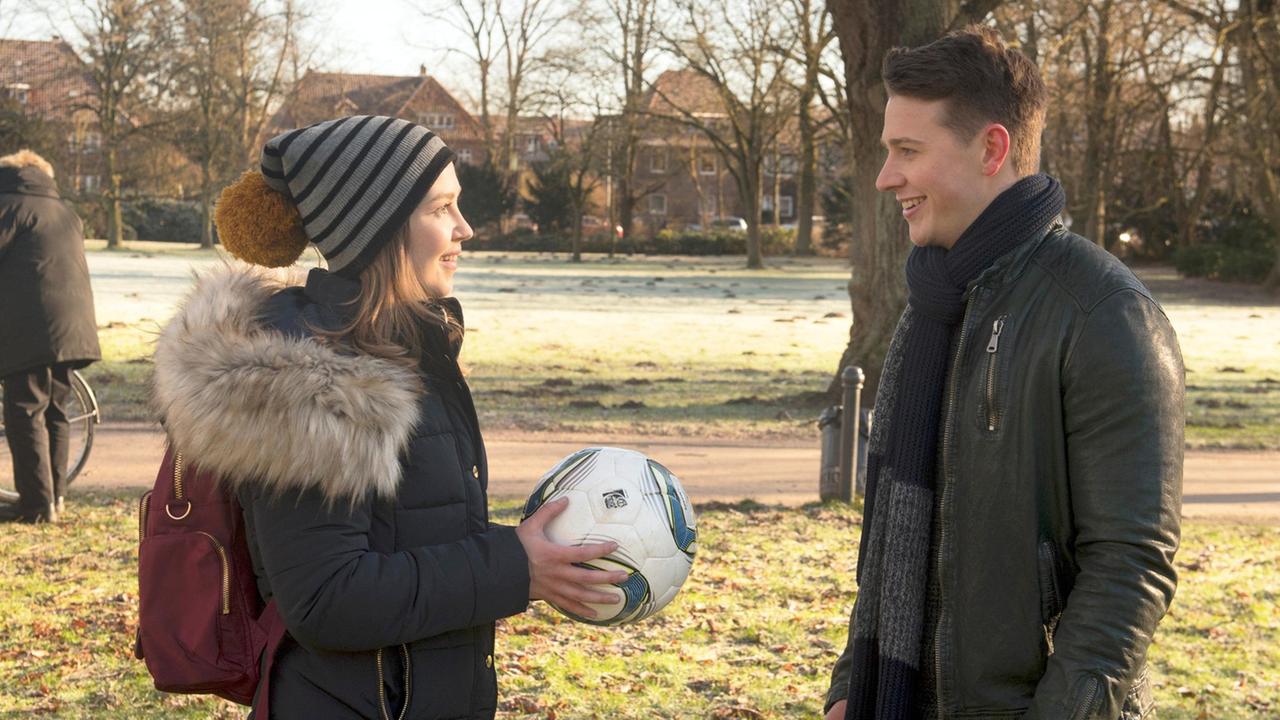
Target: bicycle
82, 415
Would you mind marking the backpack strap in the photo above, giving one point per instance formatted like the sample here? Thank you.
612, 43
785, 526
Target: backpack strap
272, 627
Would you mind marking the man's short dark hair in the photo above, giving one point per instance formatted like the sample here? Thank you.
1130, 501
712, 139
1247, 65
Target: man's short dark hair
982, 80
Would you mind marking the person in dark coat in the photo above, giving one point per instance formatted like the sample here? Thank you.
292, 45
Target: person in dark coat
336, 411
1024, 474
47, 329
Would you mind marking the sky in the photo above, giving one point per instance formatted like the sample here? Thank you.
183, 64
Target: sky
386, 37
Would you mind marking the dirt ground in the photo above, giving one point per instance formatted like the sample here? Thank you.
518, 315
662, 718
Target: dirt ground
1242, 486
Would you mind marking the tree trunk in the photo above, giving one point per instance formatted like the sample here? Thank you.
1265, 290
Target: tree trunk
751, 195
806, 194
1097, 117
115, 223
867, 29
206, 206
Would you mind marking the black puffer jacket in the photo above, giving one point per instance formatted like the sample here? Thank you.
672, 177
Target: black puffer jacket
364, 499
1059, 492
46, 304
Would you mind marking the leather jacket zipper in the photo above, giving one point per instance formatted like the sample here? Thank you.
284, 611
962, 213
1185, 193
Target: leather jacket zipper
993, 347
1086, 710
382, 687
946, 496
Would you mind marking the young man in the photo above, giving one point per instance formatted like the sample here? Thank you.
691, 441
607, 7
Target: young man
1025, 467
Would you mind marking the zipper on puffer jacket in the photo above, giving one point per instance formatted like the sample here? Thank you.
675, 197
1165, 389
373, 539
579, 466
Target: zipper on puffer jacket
382, 685
991, 409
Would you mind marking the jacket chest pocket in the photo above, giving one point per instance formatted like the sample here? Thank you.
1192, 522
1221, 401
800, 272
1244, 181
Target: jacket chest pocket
992, 403
433, 473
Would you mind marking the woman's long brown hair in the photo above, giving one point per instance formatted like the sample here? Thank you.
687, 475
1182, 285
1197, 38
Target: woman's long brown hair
394, 309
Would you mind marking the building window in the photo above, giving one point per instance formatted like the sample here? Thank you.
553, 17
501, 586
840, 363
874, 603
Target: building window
531, 144
658, 160
707, 164
464, 154
87, 183
18, 91
436, 121
787, 206
93, 140
657, 204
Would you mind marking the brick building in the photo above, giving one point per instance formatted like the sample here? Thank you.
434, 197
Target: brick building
46, 79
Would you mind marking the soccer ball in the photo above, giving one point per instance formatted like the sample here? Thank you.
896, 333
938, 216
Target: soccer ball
623, 496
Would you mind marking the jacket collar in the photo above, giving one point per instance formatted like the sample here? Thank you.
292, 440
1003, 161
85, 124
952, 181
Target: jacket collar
1010, 266
27, 181
338, 295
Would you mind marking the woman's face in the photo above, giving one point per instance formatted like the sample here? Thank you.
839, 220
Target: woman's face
436, 233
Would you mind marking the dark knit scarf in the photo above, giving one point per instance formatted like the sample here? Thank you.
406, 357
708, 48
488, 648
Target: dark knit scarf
893, 558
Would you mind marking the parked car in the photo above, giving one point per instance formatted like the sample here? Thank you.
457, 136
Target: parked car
592, 224
731, 223
521, 221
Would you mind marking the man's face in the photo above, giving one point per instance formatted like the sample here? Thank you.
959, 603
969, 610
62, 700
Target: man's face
938, 179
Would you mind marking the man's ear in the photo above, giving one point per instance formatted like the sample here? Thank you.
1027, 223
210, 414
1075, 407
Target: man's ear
995, 148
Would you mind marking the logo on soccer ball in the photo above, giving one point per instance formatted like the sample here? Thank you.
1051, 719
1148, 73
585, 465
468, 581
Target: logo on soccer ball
615, 499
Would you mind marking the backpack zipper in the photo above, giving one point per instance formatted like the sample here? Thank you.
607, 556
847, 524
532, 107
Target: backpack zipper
144, 503
177, 476
382, 688
226, 572
993, 347
177, 489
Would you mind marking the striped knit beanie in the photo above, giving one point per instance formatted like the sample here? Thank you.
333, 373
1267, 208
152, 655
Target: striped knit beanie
344, 185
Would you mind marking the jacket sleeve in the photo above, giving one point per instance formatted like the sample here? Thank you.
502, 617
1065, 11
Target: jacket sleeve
1123, 388
337, 594
839, 688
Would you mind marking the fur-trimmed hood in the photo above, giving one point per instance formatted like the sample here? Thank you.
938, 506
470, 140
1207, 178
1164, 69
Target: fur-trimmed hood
254, 405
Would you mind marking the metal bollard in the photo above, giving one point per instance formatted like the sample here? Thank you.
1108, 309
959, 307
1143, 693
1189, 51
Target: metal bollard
852, 378
829, 471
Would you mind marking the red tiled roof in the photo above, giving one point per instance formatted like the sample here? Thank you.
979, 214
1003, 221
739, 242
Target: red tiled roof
58, 80
686, 90
319, 96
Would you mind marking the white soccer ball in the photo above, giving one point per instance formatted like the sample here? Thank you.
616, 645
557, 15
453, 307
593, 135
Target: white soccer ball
623, 496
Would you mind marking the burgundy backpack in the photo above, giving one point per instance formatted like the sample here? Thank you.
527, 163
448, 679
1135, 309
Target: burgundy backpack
201, 624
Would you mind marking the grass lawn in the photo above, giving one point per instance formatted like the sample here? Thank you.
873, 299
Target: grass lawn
690, 346
753, 634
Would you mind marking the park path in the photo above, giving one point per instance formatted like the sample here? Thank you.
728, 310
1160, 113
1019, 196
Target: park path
1230, 485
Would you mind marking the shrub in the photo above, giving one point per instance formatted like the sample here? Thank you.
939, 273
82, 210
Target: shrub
165, 220
774, 241
1238, 246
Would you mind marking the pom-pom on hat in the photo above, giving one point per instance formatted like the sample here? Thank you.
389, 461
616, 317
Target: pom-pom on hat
350, 183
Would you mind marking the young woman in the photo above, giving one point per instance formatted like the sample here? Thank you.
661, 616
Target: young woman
337, 411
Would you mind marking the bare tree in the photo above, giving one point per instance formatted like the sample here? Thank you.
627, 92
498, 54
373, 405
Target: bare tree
626, 32
1260, 75
867, 29
128, 44
232, 57
512, 36
811, 25
740, 50
576, 145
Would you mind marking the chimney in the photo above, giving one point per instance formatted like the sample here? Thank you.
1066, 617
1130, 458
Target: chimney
422, 70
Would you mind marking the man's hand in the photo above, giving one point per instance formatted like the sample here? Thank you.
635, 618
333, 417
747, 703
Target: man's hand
553, 572
837, 711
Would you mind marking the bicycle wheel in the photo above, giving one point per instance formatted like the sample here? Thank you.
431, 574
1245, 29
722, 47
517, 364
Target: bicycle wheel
82, 416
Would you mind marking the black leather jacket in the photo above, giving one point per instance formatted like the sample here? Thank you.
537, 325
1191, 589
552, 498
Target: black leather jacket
1059, 491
